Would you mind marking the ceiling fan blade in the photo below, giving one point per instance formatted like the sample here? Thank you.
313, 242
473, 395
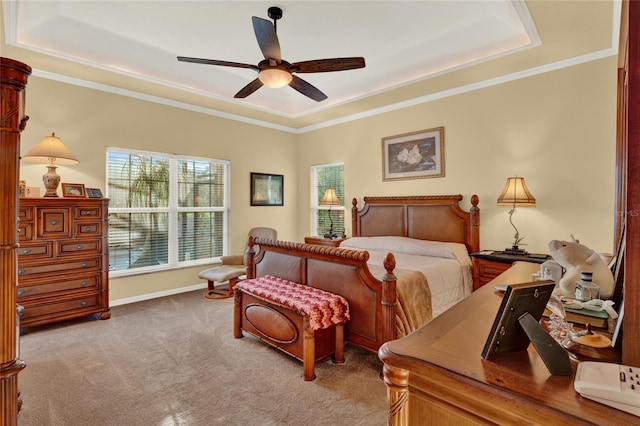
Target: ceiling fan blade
267, 38
328, 65
307, 89
249, 89
216, 62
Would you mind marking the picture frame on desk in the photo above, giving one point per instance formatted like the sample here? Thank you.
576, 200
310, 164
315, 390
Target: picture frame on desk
506, 335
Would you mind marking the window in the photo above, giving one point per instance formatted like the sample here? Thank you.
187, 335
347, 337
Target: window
166, 211
324, 177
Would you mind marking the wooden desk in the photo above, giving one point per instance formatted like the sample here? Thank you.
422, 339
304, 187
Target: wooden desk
436, 376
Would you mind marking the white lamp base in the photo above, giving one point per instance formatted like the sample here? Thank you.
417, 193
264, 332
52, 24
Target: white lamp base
51, 180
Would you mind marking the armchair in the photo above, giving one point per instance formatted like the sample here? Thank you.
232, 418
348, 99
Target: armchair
232, 268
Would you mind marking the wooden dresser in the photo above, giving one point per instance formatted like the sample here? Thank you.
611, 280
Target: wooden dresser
63, 259
436, 375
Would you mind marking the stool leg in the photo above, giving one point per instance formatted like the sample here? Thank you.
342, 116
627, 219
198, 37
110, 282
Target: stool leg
338, 355
308, 351
214, 293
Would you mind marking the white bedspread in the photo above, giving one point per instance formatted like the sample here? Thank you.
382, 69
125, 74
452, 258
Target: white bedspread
449, 280
446, 268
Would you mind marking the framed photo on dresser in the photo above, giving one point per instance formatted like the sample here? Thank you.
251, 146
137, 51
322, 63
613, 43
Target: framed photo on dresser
71, 190
93, 192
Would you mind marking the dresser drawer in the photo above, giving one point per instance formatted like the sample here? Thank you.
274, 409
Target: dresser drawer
53, 223
25, 231
66, 248
46, 309
86, 212
91, 263
35, 250
88, 229
49, 287
25, 213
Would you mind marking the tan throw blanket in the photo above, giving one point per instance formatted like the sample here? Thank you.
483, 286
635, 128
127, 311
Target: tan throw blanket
413, 309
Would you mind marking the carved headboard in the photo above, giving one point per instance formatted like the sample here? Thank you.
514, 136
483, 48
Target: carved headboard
428, 217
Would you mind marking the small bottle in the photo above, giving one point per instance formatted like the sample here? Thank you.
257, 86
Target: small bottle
585, 289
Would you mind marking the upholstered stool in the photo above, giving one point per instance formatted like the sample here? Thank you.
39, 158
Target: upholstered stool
303, 321
220, 274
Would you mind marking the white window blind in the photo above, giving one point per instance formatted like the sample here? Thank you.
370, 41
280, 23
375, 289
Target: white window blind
166, 211
327, 176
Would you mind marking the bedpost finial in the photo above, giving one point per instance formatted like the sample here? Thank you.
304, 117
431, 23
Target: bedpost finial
475, 200
389, 263
354, 202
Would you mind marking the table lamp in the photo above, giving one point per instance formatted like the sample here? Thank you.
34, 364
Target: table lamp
515, 194
52, 152
330, 199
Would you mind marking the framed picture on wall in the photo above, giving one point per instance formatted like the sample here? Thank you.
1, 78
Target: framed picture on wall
71, 190
414, 155
267, 189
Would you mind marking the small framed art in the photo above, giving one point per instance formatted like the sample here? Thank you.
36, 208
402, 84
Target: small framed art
93, 192
70, 190
414, 155
267, 189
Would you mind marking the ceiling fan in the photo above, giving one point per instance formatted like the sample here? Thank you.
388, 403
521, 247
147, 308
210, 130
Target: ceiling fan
275, 72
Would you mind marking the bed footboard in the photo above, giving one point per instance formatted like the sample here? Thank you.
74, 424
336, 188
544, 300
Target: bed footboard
372, 301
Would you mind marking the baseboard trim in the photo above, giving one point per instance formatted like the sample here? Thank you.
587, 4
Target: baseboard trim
156, 295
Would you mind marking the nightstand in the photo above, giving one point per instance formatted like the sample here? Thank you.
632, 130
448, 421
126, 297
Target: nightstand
321, 241
489, 264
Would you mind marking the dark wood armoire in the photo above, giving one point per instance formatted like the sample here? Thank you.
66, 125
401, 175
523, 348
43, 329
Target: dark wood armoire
628, 175
13, 80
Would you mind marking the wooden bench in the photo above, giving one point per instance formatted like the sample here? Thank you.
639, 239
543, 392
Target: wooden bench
302, 321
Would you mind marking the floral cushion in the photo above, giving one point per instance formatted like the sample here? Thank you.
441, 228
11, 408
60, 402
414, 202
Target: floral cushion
324, 309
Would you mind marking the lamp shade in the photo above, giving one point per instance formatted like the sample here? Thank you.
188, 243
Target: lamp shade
51, 150
516, 194
330, 198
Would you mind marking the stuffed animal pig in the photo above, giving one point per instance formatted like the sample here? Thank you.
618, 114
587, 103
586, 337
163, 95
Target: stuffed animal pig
576, 258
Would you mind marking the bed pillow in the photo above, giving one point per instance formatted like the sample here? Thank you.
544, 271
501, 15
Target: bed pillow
411, 246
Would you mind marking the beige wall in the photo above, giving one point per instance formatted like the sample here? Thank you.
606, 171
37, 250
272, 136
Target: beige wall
89, 121
556, 129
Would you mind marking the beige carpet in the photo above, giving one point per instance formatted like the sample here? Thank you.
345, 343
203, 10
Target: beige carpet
174, 361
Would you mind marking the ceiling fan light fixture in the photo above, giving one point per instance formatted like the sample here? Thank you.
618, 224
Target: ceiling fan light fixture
275, 77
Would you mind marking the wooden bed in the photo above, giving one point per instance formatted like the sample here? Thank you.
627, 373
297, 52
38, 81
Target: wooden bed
372, 299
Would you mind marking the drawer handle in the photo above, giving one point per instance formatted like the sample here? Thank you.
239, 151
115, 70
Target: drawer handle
54, 222
83, 303
26, 251
20, 271
84, 264
79, 246
83, 283
88, 212
87, 229
20, 292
